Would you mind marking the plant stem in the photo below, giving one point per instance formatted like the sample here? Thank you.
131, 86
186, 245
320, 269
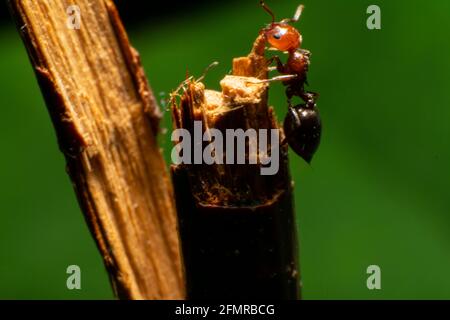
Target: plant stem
106, 121
237, 226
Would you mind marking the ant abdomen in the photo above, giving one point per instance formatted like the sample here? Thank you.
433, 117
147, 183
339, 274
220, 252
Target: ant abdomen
302, 129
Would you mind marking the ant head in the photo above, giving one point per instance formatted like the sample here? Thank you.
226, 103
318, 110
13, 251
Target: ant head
281, 35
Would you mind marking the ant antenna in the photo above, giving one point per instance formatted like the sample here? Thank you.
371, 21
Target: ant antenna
296, 16
267, 9
212, 65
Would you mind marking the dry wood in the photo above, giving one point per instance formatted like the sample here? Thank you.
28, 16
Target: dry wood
237, 226
106, 120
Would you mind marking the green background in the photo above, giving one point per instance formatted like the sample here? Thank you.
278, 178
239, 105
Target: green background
376, 193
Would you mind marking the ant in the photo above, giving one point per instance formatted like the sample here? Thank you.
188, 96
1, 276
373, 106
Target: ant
302, 125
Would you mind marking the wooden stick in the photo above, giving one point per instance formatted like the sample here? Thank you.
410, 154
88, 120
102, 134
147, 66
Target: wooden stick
106, 120
237, 226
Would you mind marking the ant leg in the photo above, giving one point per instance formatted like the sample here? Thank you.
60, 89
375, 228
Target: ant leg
304, 52
285, 77
290, 92
280, 66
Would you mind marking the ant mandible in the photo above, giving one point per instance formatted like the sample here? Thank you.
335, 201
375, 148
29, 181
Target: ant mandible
302, 125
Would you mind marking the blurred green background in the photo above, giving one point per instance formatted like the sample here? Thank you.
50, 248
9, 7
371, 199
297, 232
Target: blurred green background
376, 193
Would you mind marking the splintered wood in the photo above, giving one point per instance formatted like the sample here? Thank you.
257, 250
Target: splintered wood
106, 120
242, 104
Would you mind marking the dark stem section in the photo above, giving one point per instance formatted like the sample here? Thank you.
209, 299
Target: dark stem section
237, 226
237, 252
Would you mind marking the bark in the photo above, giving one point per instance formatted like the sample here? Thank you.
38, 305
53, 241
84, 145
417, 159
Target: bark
106, 121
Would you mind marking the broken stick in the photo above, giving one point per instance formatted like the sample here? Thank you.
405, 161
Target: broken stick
237, 226
106, 120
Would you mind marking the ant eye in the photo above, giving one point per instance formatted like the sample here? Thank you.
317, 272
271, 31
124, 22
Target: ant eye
277, 36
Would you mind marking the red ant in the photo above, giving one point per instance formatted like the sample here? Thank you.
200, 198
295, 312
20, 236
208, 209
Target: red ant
302, 125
